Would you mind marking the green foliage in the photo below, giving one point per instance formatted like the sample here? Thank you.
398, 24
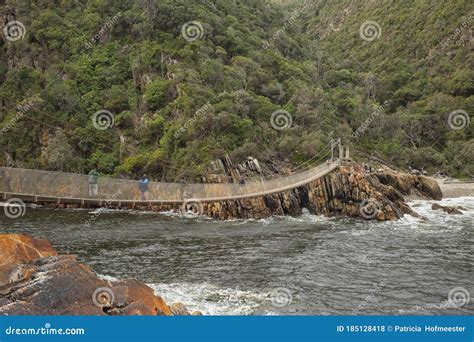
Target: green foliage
105, 162
157, 94
155, 83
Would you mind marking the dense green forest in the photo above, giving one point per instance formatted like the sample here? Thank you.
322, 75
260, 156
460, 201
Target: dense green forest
189, 81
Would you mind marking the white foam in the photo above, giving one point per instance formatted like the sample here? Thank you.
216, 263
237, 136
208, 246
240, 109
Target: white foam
436, 221
186, 215
306, 217
104, 211
211, 299
107, 278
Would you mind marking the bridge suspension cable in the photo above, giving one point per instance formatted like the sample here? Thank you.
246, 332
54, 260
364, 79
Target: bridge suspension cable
38, 185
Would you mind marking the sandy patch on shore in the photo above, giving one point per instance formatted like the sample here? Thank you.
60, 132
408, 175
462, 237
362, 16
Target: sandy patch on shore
456, 189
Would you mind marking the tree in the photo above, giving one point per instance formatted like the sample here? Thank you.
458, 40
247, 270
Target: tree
58, 151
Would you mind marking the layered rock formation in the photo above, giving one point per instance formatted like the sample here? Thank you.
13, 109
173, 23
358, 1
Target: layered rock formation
225, 171
35, 280
410, 185
349, 191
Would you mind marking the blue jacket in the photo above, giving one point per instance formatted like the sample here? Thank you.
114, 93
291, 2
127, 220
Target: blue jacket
143, 184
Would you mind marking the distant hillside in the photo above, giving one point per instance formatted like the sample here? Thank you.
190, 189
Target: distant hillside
189, 81
418, 60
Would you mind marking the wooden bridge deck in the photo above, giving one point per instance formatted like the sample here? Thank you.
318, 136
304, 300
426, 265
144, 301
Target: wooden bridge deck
59, 187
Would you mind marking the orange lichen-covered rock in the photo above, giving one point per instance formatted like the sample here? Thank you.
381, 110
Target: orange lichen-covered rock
36, 281
15, 248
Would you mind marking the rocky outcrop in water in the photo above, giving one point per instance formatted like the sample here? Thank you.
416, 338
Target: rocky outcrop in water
35, 280
349, 191
448, 210
410, 184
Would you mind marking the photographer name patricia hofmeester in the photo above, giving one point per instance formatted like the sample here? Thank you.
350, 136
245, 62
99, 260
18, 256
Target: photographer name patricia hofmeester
400, 328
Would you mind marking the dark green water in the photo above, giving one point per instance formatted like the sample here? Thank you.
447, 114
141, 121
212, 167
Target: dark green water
301, 266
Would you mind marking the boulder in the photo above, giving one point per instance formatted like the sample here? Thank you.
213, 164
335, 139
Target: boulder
446, 209
430, 188
18, 249
37, 281
410, 184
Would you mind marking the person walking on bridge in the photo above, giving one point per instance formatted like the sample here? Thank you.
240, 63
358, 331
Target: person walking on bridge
143, 186
93, 183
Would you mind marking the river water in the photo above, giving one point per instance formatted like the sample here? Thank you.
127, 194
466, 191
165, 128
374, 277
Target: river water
279, 266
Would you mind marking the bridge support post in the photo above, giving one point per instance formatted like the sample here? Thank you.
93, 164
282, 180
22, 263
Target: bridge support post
337, 143
333, 147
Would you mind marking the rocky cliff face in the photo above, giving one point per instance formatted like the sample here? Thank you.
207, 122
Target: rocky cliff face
225, 171
34, 280
349, 191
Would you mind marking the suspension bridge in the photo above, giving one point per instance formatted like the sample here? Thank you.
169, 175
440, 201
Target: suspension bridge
39, 186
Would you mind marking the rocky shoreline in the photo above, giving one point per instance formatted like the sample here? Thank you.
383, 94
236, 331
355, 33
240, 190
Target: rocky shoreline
35, 280
349, 191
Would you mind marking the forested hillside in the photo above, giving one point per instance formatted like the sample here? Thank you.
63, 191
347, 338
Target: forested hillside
417, 61
189, 81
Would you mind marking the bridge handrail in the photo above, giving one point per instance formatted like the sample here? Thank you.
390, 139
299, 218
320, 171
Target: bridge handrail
68, 185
